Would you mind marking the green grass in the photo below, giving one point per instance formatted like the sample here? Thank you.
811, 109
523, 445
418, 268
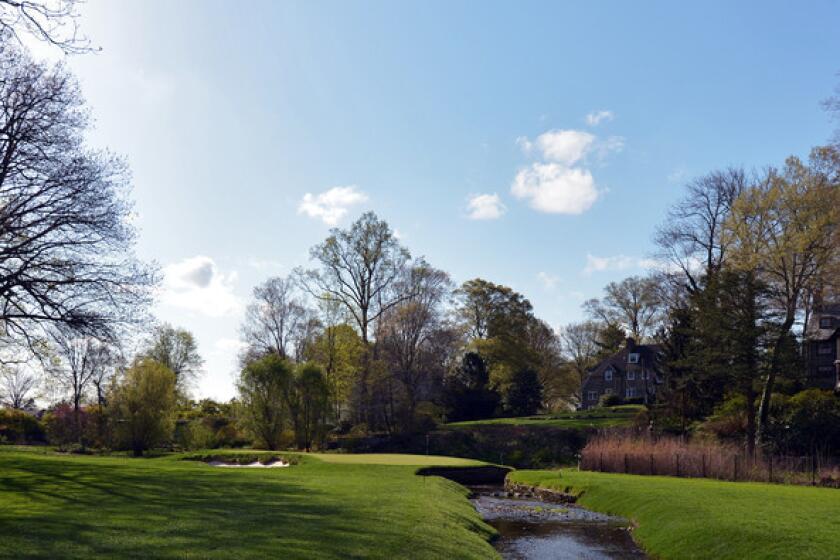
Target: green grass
395, 459
58, 506
681, 518
596, 418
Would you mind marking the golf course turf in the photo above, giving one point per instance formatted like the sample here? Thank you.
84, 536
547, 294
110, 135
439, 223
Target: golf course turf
681, 518
604, 417
59, 506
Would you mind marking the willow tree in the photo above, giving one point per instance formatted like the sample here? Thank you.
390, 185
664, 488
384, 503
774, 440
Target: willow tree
785, 228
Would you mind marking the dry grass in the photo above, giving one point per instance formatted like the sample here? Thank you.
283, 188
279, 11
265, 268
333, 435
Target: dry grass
671, 456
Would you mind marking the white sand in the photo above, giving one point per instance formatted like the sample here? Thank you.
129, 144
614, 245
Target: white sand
254, 465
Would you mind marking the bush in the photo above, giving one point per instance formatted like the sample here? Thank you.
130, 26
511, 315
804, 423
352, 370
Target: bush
66, 426
17, 426
610, 400
808, 422
194, 435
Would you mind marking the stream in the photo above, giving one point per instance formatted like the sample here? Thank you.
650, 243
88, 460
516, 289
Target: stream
530, 528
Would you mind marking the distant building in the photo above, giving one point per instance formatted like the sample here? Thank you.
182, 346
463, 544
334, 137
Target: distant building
632, 373
822, 347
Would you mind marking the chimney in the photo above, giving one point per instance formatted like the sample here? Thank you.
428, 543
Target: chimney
630, 342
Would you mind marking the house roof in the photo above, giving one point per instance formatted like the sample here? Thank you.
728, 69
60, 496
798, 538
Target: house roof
813, 330
648, 357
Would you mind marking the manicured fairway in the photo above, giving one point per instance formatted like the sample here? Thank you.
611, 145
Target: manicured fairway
394, 459
54, 506
681, 518
595, 418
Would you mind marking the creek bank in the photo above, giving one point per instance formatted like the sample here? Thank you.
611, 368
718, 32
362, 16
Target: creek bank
536, 524
516, 490
469, 476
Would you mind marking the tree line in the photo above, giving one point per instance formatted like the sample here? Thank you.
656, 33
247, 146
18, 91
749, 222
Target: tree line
372, 339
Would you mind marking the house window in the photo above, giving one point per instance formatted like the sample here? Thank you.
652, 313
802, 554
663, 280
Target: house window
825, 371
631, 375
631, 392
826, 322
593, 395
825, 348
608, 391
608, 375
633, 358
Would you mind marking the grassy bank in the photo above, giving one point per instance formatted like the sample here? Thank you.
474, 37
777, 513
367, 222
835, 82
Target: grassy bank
57, 506
606, 417
693, 518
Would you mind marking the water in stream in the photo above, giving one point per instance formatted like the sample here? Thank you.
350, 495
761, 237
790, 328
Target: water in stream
530, 528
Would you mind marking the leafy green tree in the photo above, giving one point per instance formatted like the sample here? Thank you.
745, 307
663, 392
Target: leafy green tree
264, 385
488, 310
142, 406
524, 396
786, 229
338, 350
467, 392
308, 401
609, 340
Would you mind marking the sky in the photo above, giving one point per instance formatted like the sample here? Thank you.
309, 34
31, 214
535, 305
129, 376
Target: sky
536, 145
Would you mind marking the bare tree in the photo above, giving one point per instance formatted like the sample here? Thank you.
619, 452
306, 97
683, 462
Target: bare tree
66, 240
632, 304
53, 21
16, 387
691, 238
410, 331
177, 350
276, 319
107, 360
580, 347
75, 366
359, 269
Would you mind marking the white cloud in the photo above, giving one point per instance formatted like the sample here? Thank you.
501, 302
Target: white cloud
549, 281
331, 205
597, 117
617, 262
562, 183
555, 188
564, 146
485, 207
197, 285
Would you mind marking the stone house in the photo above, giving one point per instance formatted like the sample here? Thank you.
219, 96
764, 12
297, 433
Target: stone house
632, 373
822, 347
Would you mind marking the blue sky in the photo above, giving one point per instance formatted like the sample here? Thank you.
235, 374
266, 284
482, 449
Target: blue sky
230, 114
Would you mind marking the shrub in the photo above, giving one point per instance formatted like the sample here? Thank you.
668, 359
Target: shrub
194, 435
65, 425
17, 426
610, 400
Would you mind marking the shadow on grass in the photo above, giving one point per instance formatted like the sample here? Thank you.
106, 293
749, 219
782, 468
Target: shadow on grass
66, 508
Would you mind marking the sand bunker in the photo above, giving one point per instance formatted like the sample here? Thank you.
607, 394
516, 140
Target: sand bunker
254, 465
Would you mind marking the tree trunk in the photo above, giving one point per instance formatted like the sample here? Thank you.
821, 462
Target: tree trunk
767, 393
749, 397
